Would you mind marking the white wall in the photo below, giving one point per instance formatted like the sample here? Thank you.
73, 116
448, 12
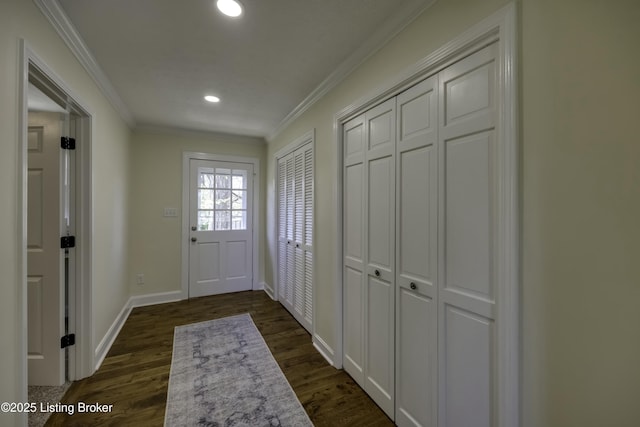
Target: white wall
580, 196
155, 241
581, 204
21, 19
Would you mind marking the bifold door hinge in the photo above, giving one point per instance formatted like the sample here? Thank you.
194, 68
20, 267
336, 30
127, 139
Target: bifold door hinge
67, 143
67, 340
67, 242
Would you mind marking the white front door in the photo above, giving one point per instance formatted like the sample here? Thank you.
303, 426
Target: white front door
221, 227
45, 259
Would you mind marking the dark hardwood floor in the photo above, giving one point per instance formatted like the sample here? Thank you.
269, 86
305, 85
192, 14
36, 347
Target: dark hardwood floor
135, 373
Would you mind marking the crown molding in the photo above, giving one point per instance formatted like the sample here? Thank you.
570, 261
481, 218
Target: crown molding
54, 13
142, 128
384, 34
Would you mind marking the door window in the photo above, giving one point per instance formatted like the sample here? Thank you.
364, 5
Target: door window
222, 199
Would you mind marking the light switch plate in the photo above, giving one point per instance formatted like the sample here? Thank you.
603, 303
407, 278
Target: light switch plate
170, 212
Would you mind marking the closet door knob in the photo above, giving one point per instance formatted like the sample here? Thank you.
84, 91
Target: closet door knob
377, 272
413, 286
297, 245
194, 239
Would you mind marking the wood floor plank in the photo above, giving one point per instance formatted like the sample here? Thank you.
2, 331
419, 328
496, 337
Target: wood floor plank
135, 374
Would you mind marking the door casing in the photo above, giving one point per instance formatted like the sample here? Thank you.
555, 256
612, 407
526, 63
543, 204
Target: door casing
81, 358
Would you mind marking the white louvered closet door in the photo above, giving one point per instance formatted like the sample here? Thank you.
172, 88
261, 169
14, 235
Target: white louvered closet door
283, 244
295, 233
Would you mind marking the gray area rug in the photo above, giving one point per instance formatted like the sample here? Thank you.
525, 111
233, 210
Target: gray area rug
223, 374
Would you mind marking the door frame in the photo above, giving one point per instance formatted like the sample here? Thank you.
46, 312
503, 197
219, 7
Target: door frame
500, 27
81, 356
187, 156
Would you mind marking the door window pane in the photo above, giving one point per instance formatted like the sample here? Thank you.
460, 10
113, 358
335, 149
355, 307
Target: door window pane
206, 180
205, 199
238, 199
223, 181
223, 222
239, 220
239, 179
223, 199
205, 220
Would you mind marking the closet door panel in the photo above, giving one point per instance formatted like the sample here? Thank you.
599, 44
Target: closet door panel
379, 349
468, 188
468, 215
290, 222
416, 376
298, 232
353, 215
354, 248
416, 256
417, 212
468, 383
380, 210
381, 127
307, 241
282, 228
353, 324
380, 242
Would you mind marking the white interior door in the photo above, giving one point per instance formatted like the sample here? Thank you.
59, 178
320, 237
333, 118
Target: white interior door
467, 224
416, 255
221, 227
45, 259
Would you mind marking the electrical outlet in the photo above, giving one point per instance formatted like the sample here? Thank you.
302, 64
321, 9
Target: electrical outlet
140, 279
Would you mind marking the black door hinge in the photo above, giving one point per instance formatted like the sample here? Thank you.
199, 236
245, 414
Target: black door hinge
67, 242
67, 340
67, 143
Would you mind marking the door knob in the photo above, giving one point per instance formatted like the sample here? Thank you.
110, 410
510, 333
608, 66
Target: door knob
377, 272
413, 286
193, 228
194, 239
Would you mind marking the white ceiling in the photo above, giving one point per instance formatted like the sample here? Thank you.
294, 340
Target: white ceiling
163, 56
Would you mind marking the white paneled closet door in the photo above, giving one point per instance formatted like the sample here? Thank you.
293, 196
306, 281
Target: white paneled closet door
379, 297
369, 230
353, 248
467, 246
420, 231
416, 255
295, 233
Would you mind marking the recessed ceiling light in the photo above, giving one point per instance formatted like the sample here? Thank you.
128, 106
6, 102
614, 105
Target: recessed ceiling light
230, 7
212, 98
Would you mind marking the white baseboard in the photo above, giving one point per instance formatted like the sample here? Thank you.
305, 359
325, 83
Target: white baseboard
269, 290
134, 301
107, 341
153, 299
325, 350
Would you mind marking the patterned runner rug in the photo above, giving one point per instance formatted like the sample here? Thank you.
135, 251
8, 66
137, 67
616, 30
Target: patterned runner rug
223, 374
